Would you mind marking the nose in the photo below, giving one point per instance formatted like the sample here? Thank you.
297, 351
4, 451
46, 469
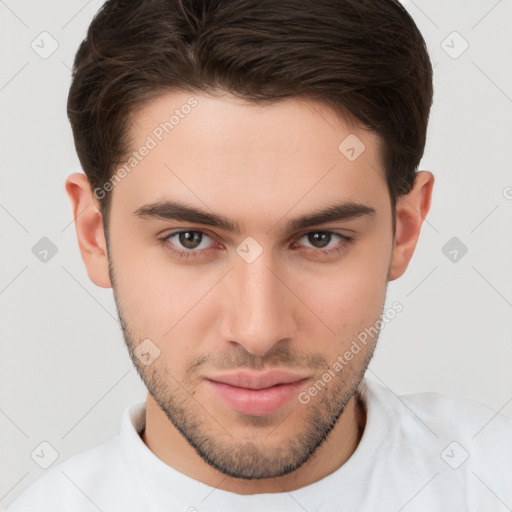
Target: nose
259, 312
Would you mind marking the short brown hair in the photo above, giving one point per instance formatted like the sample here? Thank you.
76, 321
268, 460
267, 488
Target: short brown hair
364, 58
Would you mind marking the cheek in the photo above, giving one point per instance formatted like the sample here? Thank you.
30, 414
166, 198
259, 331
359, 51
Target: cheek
153, 293
348, 296
346, 304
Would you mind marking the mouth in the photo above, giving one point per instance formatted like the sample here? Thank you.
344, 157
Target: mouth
257, 395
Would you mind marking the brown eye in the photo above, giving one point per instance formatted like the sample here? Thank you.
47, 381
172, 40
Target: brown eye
187, 243
190, 239
324, 243
319, 239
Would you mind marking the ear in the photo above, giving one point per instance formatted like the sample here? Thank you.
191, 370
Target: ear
89, 229
411, 210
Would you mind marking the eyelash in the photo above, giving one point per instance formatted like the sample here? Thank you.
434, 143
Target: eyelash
165, 241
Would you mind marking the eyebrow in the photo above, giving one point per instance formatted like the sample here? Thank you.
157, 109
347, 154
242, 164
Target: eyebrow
173, 210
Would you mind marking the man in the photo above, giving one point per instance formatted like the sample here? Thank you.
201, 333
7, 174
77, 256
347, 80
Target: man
250, 188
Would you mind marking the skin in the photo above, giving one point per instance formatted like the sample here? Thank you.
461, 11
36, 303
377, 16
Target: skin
212, 313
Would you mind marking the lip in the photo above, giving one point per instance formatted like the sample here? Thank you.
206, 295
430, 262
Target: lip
257, 395
257, 380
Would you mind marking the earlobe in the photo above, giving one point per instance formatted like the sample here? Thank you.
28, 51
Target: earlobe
89, 229
411, 210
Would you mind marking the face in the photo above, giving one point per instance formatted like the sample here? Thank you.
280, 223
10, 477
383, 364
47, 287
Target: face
281, 291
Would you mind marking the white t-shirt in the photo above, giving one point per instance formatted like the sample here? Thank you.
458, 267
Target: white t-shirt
425, 452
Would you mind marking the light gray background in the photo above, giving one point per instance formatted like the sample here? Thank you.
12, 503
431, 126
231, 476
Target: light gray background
65, 374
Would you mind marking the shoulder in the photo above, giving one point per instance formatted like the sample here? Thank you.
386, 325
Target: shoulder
457, 439
446, 415
469, 419
97, 478
471, 431
69, 485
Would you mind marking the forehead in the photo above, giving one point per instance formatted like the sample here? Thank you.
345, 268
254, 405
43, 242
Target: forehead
222, 151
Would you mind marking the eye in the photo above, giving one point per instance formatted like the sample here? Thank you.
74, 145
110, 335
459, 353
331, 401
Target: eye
186, 243
194, 243
319, 240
